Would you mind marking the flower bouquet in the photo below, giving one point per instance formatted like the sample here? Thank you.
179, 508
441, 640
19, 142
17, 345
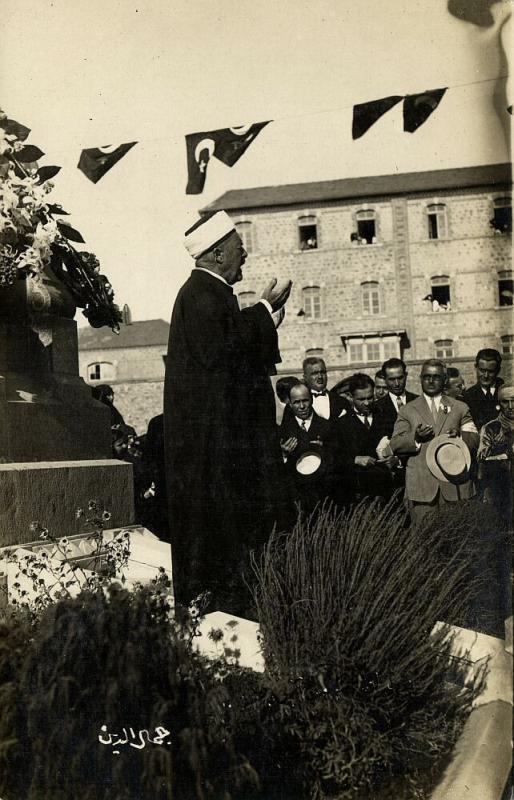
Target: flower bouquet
33, 236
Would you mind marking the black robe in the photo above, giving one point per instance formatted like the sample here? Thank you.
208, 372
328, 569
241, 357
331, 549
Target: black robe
223, 458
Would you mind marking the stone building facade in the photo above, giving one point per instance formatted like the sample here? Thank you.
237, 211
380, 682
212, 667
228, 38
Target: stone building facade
132, 362
416, 265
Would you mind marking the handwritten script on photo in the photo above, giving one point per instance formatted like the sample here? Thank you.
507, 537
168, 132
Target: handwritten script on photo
138, 740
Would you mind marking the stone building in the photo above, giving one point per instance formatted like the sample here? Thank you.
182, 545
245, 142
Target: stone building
416, 265
132, 362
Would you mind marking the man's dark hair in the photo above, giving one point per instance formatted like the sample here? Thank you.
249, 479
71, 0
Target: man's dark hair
452, 372
393, 363
342, 385
489, 354
380, 374
294, 385
360, 381
284, 385
311, 360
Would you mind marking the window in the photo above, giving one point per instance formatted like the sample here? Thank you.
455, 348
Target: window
373, 351
443, 348
366, 227
356, 354
245, 231
440, 293
312, 302
370, 297
505, 288
508, 344
314, 351
436, 217
100, 371
391, 349
308, 232
502, 218
246, 299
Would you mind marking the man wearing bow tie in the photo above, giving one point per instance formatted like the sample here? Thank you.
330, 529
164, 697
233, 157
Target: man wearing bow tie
482, 398
327, 405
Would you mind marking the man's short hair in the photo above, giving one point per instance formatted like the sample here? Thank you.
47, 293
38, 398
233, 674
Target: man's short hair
360, 381
434, 362
295, 385
452, 372
284, 385
489, 354
380, 374
311, 360
393, 363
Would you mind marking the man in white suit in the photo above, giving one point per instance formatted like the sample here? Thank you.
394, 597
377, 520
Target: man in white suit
433, 414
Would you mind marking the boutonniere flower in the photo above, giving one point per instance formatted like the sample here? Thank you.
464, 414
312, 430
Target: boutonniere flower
446, 409
497, 408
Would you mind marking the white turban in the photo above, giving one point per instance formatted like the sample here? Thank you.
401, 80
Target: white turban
209, 233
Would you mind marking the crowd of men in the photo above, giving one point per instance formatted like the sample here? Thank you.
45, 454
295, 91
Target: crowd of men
226, 462
372, 438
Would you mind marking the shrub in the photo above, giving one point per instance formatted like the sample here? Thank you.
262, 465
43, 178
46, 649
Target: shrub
118, 661
346, 604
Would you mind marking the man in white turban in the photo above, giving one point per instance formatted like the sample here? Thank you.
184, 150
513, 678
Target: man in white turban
223, 457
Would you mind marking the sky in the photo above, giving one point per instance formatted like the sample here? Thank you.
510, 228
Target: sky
97, 72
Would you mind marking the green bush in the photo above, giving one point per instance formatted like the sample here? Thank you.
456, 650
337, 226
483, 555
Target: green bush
118, 661
346, 604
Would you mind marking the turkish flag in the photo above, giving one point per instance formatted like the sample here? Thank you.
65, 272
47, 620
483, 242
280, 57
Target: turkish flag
96, 161
225, 144
366, 114
418, 107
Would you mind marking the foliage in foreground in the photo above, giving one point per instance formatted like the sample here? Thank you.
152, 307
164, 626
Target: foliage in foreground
356, 692
116, 661
346, 605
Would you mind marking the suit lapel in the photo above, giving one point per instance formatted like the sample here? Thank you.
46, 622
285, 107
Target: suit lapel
421, 406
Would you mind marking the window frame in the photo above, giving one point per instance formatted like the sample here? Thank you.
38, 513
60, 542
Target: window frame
304, 221
438, 282
101, 377
439, 211
247, 234
508, 278
441, 347
365, 215
507, 341
314, 292
246, 293
369, 290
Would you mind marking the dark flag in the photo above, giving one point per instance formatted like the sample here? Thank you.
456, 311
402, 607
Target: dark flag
418, 107
200, 147
366, 114
96, 161
231, 143
225, 144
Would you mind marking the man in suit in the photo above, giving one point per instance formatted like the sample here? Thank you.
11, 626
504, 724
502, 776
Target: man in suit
395, 377
328, 405
380, 385
303, 431
223, 459
360, 433
418, 422
482, 397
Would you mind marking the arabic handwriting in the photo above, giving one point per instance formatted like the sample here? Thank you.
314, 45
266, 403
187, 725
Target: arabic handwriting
138, 739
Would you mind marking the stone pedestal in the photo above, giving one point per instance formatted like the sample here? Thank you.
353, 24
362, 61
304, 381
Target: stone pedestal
55, 439
46, 410
51, 492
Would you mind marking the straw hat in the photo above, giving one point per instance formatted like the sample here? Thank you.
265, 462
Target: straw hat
448, 459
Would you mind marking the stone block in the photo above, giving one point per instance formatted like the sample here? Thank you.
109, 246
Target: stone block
51, 492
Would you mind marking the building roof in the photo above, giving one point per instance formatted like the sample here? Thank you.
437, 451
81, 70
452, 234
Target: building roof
148, 333
373, 186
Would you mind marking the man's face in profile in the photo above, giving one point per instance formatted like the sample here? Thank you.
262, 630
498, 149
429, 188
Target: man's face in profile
234, 256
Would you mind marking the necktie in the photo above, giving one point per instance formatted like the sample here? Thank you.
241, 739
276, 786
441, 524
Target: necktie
303, 425
399, 402
319, 394
366, 422
433, 409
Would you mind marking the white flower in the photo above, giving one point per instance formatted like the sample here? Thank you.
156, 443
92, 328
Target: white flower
9, 197
45, 235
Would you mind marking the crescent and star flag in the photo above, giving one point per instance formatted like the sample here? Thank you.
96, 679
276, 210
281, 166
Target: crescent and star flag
225, 144
96, 161
418, 107
366, 114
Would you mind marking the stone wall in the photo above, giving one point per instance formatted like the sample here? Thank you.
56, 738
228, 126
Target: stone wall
125, 363
403, 260
138, 402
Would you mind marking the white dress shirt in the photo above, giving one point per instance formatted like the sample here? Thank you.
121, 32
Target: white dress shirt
363, 418
304, 422
437, 401
395, 398
321, 404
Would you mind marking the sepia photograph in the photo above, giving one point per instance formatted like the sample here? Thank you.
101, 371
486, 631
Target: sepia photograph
256, 400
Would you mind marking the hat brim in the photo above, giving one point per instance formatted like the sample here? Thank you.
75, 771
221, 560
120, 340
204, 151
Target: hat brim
434, 467
308, 463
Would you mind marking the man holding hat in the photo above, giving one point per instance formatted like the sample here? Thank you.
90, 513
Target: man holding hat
436, 432
223, 459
